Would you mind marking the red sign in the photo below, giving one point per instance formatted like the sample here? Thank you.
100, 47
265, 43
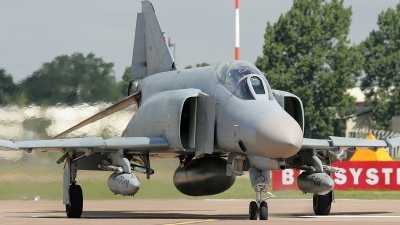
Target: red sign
354, 175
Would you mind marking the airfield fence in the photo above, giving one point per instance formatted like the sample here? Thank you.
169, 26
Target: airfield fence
379, 134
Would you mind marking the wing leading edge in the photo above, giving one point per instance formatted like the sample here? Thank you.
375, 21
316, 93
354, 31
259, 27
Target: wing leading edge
337, 142
95, 144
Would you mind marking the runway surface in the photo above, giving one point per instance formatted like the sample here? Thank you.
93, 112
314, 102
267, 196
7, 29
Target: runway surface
179, 212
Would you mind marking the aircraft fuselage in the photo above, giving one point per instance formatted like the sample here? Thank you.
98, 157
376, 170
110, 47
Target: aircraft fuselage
261, 124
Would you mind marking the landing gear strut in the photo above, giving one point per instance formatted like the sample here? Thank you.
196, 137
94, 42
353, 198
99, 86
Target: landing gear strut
260, 182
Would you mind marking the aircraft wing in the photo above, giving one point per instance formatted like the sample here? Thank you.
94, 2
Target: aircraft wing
94, 144
337, 142
90, 145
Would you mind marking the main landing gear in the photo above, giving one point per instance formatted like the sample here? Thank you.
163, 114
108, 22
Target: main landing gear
322, 204
72, 193
74, 208
260, 182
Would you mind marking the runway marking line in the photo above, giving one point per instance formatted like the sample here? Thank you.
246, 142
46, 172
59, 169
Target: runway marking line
344, 216
191, 222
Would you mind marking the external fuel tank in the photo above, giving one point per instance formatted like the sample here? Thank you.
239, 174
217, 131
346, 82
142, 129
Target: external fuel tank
204, 176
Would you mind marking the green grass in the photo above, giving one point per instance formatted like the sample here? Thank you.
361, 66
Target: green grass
371, 194
34, 179
98, 190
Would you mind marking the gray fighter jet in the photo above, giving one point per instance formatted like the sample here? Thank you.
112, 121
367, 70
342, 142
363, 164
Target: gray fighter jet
218, 121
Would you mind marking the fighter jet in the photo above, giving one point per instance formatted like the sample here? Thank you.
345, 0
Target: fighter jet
217, 121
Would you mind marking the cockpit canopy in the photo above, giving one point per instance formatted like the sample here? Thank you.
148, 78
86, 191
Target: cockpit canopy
244, 80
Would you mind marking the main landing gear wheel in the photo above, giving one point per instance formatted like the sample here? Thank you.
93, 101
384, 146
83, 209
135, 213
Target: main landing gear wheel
74, 209
253, 210
263, 211
322, 204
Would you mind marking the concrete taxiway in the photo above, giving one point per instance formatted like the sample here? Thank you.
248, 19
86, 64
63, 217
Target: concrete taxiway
198, 212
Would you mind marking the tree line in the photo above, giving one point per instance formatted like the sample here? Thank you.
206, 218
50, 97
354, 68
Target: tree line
305, 52
67, 80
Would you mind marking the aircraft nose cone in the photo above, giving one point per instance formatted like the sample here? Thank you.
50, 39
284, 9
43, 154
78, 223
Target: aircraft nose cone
279, 137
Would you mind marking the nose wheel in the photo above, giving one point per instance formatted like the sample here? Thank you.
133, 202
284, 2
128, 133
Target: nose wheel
253, 210
258, 210
263, 211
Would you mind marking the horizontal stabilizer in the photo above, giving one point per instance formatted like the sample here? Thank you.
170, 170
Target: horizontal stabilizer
128, 101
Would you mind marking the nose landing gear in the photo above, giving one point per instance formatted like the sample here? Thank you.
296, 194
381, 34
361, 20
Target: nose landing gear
259, 208
260, 183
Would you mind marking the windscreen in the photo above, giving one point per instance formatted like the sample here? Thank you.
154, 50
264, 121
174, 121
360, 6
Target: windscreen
243, 91
233, 72
234, 76
230, 73
257, 85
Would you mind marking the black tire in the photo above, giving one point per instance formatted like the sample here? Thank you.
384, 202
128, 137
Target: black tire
322, 204
74, 210
253, 210
263, 211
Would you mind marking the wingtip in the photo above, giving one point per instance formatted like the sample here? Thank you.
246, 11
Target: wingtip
394, 142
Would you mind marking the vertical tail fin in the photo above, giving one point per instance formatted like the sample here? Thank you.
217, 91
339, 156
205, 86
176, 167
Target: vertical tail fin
150, 53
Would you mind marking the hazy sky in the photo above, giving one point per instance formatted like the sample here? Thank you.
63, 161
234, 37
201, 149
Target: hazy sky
34, 32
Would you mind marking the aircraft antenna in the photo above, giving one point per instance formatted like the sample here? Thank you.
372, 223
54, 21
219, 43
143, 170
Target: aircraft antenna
237, 31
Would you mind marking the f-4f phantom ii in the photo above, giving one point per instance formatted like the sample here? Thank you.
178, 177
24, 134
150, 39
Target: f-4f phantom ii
217, 121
